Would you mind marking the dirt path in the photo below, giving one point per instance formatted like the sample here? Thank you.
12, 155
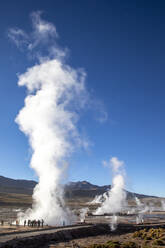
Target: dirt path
7, 237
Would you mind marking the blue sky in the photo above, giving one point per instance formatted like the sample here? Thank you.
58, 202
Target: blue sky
120, 44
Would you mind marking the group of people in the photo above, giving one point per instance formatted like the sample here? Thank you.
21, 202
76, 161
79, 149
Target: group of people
34, 223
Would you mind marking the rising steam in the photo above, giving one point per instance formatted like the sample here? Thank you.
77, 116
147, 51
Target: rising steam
83, 213
55, 93
115, 200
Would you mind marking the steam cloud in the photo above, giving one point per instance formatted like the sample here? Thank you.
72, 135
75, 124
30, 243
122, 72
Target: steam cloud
163, 205
55, 94
98, 199
115, 200
83, 213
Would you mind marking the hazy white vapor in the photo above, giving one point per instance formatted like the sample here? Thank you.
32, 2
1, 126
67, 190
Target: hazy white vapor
99, 199
114, 164
115, 200
43, 33
113, 224
18, 36
49, 121
41, 26
163, 205
55, 95
83, 213
100, 115
138, 202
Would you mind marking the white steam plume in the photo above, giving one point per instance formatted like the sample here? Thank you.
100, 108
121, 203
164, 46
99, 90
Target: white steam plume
163, 205
98, 199
113, 224
138, 202
83, 213
55, 92
116, 198
49, 123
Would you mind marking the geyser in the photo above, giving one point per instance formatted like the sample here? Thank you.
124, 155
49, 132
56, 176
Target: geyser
49, 122
116, 197
55, 94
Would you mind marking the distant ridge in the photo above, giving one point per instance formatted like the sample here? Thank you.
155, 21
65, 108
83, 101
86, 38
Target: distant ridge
85, 189
80, 189
17, 186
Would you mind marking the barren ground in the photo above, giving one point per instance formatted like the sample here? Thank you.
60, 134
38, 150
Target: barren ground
13, 203
100, 239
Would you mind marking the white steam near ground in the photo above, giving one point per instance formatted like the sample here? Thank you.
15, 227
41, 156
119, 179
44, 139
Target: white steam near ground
163, 205
116, 196
115, 199
140, 211
99, 199
83, 213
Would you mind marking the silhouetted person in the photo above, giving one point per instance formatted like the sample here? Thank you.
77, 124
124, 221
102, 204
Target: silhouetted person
42, 222
24, 222
29, 222
39, 223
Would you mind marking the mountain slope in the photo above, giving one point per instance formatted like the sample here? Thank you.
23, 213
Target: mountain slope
81, 189
86, 189
8, 185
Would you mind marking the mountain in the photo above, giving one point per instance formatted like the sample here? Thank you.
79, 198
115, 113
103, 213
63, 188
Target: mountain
17, 186
80, 189
84, 185
86, 189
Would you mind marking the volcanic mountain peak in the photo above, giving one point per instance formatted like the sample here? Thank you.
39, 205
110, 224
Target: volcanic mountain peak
81, 185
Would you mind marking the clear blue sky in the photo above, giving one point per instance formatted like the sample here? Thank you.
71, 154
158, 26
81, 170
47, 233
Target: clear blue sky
121, 45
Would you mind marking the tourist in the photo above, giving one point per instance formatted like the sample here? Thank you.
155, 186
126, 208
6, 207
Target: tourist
29, 222
39, 222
